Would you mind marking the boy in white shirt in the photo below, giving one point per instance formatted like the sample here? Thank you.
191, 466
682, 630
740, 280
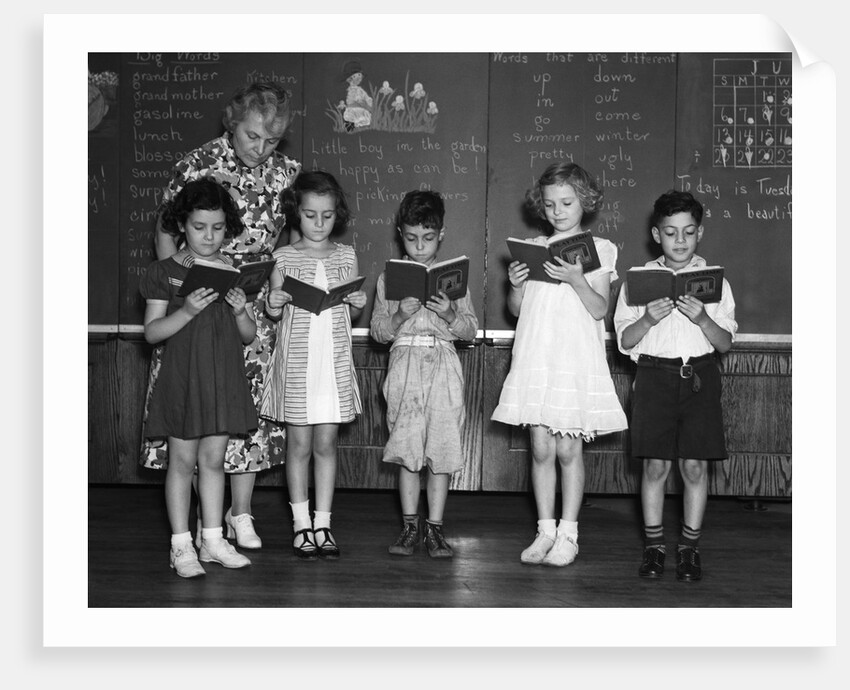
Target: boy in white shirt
676, 411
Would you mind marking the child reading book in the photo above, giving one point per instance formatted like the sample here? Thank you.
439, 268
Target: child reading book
201, 396
424, 384
676, 411
405, 278
559, 384
311, 384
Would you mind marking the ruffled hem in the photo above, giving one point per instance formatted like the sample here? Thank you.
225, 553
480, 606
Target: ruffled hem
586, 436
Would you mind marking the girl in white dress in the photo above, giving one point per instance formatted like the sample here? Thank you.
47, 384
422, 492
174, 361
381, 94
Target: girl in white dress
559, 384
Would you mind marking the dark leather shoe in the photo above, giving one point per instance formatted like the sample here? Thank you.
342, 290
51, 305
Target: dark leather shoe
653, 562
436, 543
407, 541
688, 565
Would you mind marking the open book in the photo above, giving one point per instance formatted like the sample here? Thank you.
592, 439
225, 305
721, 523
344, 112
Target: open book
647, 283
221, 277
315, 299
574, 248
404, 278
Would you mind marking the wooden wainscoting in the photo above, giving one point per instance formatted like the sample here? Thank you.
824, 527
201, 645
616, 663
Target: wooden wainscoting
757, 415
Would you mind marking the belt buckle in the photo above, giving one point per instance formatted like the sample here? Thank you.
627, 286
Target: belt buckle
686, 371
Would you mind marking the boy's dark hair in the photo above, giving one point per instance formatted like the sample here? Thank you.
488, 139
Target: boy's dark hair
421, 207
314, 182
673, 202
204, 194
586, 188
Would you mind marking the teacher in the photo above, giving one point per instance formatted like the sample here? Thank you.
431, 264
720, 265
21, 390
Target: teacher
245, 160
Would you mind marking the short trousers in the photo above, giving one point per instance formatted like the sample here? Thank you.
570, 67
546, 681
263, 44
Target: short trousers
670, 420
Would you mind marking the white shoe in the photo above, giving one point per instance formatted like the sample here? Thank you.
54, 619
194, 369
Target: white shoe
563, 552
222, 551
241, 528
185, 561
535, 553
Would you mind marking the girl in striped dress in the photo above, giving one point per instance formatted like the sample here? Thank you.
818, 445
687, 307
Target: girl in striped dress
311, 385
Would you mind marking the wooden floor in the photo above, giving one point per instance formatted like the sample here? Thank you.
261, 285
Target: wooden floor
746, 557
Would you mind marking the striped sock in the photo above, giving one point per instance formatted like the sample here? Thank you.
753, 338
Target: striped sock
653, 536
689, 538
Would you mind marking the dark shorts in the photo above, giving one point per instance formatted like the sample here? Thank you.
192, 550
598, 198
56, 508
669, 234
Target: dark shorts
669, 419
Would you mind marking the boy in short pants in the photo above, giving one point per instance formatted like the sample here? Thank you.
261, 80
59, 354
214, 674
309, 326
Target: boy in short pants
676, 410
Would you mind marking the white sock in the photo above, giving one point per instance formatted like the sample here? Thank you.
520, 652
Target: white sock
301, 515
181, 539
211, 534
546, 527
321, 519
568, 529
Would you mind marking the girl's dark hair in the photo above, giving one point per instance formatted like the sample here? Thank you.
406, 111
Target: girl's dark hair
421, 207
673, 202
586, 188
266, 98
314, 182
204, 194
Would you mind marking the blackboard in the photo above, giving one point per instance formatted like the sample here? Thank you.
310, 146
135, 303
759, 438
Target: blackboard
612, 114
734, 153
167, 105
427, 130
103, 184
479, 128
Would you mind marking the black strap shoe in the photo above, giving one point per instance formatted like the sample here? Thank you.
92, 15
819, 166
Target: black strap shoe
653, 562
325, 543
304, 546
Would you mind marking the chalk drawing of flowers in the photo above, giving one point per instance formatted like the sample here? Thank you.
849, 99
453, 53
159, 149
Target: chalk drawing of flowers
381, 109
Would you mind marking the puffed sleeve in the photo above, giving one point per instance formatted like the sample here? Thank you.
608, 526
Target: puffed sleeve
203, 161
607, 251
380, 326
154, 284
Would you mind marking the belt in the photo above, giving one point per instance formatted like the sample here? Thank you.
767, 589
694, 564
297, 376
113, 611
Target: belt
420, 341
676, 364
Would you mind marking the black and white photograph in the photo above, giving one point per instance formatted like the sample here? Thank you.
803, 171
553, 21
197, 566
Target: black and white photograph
388, 409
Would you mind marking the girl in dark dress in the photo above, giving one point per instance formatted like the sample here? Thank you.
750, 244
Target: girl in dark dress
201, 397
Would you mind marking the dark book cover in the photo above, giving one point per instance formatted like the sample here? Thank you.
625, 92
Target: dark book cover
405, 278
222, 277
645, 284
315, 299
579, 247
